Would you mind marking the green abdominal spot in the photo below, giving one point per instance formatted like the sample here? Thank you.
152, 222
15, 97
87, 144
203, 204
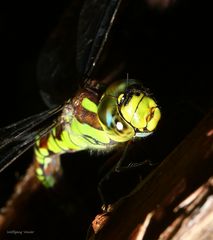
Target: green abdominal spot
53, 144
47, 180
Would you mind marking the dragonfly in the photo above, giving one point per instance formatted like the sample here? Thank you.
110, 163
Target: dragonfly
99, 117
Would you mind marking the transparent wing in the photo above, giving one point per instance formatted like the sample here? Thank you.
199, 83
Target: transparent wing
16, 138
74, 48
95, 22
21, 128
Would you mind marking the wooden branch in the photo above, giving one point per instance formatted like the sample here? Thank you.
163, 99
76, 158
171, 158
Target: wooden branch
195, 216
156, 210
23, 191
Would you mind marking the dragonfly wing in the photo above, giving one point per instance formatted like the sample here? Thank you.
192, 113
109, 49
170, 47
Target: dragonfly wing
19, 137
57, 74
18, 130
95, 22
73, 48
14, 150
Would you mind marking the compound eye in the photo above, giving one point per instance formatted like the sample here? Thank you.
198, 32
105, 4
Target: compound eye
121, 98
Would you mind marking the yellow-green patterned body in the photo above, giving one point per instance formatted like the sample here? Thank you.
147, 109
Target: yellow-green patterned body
91, 121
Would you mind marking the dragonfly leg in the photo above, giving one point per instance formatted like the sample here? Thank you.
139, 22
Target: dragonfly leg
48, 170
121, 166
131, 166
124, 165
100, 189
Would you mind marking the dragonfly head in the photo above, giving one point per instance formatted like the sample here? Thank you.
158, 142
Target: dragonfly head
126, 110
139, 109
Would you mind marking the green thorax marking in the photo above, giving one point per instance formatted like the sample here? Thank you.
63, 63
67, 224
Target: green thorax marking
89, 105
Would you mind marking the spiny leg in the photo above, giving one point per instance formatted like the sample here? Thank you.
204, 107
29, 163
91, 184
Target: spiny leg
122, 165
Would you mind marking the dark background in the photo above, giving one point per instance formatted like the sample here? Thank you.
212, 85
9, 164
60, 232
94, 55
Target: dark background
171, 51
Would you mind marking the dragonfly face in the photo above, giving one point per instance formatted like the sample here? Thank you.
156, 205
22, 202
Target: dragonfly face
126, 111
